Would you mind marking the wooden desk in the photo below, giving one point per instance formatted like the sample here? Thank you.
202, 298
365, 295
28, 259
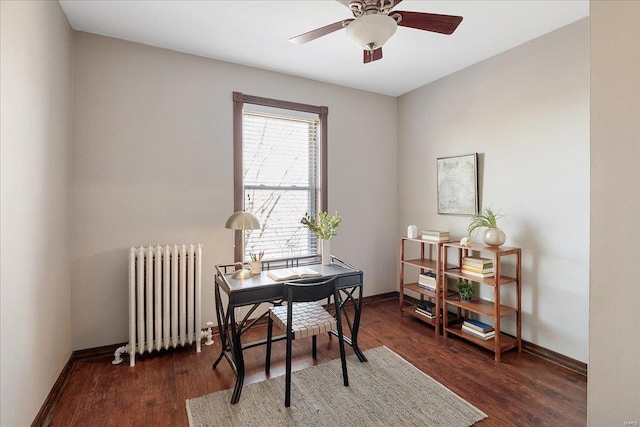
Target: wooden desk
262, 289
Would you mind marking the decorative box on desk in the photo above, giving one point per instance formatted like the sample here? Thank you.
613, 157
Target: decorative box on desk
494, 310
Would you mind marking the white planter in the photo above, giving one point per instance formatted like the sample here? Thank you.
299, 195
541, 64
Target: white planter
494, 237
326, 252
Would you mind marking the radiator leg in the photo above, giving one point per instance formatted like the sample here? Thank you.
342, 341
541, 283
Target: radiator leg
117, 359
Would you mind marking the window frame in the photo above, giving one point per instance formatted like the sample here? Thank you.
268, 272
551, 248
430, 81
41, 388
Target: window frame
239, 99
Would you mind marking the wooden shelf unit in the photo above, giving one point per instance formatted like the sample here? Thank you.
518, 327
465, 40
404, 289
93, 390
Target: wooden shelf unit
430, 260
495, 310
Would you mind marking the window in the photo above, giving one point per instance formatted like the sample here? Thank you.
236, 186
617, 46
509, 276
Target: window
280, 173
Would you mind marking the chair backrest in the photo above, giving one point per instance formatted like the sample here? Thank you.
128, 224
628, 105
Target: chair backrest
310, 289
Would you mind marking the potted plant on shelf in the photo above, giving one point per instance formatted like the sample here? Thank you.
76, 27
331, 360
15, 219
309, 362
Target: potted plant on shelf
488, 218
465, 290
325, 227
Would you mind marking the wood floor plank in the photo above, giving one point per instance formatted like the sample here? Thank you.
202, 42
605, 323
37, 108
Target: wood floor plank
67, 407
521, 390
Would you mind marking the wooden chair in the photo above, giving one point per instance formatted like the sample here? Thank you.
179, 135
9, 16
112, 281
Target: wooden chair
306, 318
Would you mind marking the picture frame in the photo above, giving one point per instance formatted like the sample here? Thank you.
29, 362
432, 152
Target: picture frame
457, 180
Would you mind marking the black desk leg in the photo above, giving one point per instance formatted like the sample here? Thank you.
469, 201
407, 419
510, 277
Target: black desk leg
231, 346
236, 347
222, 326
356, 327
346, 296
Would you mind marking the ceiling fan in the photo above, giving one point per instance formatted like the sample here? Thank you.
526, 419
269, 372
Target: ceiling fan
374, 23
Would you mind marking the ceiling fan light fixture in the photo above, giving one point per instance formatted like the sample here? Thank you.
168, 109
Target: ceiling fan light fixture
370, 32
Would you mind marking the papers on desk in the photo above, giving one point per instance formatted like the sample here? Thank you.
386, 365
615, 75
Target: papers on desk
292, 273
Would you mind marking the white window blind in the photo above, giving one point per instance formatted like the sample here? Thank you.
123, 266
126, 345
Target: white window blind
280, 174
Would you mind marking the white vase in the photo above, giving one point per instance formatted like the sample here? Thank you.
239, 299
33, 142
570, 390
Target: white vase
494, 237
326, 252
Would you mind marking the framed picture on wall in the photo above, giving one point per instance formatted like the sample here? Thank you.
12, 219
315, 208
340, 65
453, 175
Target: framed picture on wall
458, 185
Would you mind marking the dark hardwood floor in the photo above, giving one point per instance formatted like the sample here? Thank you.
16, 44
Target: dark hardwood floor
522, 390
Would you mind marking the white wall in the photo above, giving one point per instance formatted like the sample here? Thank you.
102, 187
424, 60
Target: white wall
614, 322
526, 112
35, 156
152, 163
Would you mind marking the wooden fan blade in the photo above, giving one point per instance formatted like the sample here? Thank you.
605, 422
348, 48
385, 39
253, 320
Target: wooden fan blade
319, 32
370, 57
443, 24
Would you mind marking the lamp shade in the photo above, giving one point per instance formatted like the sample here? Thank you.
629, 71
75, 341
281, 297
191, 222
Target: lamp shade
242, 220
370, 32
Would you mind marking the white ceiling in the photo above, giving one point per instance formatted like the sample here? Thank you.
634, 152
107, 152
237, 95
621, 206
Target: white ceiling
256, 33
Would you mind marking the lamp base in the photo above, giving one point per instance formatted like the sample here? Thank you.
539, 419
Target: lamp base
243, 273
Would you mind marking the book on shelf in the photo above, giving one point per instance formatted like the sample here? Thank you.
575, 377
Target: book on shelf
427, 286
466, 267
477, 265
426, 305
292, 273
436, 233
426, 313
435, 238
480, 275
481, 335
427, 279
478, 325
477, 262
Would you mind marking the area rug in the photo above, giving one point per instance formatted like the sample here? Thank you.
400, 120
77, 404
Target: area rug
385, 391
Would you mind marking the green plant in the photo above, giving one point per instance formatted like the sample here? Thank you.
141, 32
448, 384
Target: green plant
325, 227
487, 218
465, 289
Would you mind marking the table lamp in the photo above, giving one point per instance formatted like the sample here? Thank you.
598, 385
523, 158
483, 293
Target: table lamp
242, 220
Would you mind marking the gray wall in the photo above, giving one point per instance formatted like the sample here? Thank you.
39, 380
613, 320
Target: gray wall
614, 318
153, 164
35, 83
526, 112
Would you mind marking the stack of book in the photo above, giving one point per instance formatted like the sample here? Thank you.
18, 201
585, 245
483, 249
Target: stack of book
435, 235
478, 329
427, 280
426, 308
476, 266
